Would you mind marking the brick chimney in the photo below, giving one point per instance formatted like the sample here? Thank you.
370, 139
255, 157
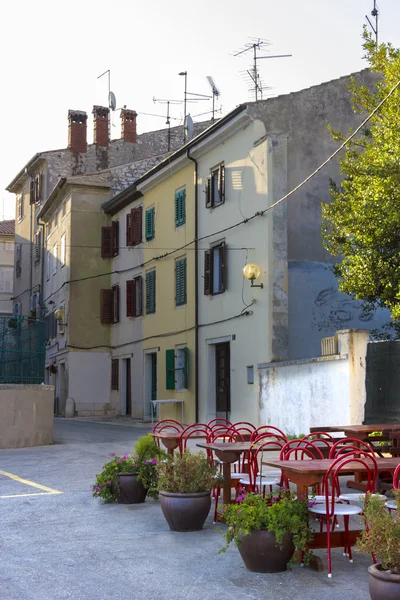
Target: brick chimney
101, 126
77, 130
128, 125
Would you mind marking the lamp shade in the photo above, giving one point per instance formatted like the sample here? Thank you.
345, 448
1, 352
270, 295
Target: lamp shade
251, 271
59, 314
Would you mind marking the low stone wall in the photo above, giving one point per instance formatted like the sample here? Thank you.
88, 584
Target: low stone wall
26, 415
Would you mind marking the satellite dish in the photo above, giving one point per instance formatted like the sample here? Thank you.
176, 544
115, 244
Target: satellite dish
189, 126
112, 102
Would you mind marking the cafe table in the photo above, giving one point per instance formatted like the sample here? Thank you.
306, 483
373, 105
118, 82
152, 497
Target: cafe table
357, 431
306, 473
170, 439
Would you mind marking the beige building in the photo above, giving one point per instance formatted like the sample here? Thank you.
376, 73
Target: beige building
7, 231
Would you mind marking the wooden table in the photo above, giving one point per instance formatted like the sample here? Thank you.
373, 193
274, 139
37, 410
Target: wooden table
359, 431
227, 453
170, 439
305, 473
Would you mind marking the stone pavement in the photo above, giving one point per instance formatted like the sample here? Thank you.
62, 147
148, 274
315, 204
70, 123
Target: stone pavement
72, 546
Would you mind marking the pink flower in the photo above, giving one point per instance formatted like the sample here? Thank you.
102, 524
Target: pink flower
239, 512
125, 456
118, 462
153, 461
108, 482
112, 454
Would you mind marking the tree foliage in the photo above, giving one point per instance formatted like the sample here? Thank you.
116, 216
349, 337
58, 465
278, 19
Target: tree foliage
362, 223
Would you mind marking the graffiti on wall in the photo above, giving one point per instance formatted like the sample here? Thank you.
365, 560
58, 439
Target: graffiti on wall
333, 310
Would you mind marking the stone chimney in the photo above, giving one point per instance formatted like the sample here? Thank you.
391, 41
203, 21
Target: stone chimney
101, 126
77, 130
128, 125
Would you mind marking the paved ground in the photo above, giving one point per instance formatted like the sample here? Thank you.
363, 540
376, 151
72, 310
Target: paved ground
72, 546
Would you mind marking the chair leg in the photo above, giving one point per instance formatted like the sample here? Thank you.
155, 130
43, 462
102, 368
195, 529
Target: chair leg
217, 492
328, 536
346, 528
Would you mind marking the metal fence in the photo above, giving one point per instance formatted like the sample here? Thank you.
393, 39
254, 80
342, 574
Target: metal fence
22, 350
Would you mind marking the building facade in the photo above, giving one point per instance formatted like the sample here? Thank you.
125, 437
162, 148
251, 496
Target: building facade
7, 232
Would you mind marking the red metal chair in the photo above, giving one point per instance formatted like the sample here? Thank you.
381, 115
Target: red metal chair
270, 437
391, 504
323, 440
219, 422
298, 449
341, 446
257, 476
267, 429
332, 509
169, 424
194, 430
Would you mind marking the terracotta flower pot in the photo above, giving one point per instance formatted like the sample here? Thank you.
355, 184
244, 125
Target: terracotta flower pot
185, 512
382, 584
261, 553
129, 489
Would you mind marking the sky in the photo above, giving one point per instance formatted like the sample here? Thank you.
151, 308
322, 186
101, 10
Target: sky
53, 53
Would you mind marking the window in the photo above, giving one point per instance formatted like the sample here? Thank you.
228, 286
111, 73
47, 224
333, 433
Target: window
180, 207
50, 326
149, 224
34, 305
134, 295
180, 281
250, 374
115, 374
134, 227
63, 249
55, 250
18, 260
17, 309
110, 240
6, 281
109, 305
38, 246
150, 292
20, 207
177, 368
48, 269
215, 187
215, 270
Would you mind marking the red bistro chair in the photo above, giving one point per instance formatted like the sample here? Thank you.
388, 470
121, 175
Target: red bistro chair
391, 504
268, 429
332, 509
194, 430
169, 424
323, 440
219, 422
257, 477
341, 446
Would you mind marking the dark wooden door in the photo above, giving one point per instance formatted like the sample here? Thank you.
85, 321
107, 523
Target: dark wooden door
128, 388
222, 378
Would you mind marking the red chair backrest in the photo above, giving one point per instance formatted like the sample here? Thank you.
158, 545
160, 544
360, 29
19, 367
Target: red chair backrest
396, 478
255, 452
195, 430
298, 449
269, 437
268, 429
351, 443
164, 422
219, 422
320, 436
246, 424
242, 429
331, 482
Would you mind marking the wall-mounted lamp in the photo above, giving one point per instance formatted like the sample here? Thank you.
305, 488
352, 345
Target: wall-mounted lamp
252, 272
59, 314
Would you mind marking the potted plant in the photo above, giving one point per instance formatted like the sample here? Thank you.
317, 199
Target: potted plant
267, 529
184, 483
381, 537
53, 368
128, 479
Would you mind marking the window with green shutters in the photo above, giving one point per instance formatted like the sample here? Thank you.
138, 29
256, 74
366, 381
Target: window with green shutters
150, 292
149, 224
180, 207
180, 282
177, 368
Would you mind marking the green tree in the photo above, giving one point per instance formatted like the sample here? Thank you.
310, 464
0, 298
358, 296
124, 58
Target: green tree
362, 223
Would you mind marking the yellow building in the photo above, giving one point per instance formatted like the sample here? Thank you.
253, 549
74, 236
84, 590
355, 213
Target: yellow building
169, 290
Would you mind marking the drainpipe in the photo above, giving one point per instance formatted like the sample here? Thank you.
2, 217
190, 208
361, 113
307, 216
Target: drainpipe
32, 208
196, 288
42, 268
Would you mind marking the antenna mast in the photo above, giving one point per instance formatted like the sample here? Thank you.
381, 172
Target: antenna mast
168, 117
257, 46
196, 98
374, 13
111, 103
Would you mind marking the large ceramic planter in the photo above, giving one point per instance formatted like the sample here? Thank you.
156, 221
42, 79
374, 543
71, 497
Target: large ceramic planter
383, 585
261, 553
129, 489
185, 512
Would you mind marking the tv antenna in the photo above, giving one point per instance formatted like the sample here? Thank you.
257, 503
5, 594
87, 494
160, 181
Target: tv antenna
112, 101
167, 116
197, 98
375, 14
215, 93
258, 45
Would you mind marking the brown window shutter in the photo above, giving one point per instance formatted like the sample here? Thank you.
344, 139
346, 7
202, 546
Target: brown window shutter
32, 192
106, 242
130, 291
136, 226
207, 272
40, 188
129, 229
223, 267
115, 238
208, 192
221, 183
115, 374
106, 306
116, 300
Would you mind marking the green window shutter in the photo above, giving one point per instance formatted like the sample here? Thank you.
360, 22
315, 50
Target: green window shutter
180, 282
150, 292
180, 207
170, 369
149, 226
186, 368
